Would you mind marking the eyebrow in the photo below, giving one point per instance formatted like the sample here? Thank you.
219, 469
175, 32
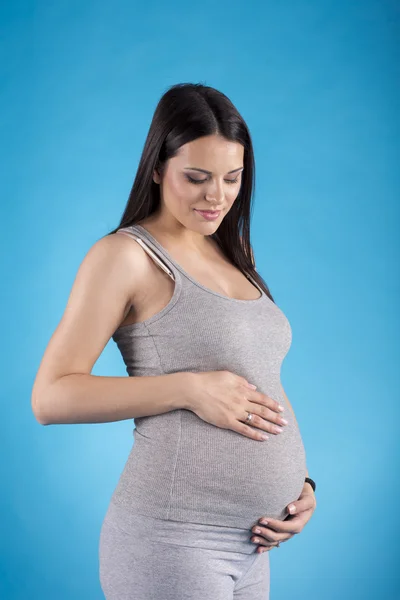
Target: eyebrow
210, 172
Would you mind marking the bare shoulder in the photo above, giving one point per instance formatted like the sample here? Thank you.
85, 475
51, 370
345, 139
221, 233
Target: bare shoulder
106, 281
129, 259
115, 260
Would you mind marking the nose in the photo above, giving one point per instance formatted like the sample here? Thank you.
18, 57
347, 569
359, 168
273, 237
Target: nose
215, 193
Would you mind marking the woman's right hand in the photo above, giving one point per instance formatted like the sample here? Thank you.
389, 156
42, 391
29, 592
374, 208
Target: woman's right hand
223, 398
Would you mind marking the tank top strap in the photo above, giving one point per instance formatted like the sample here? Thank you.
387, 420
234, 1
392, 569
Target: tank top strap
167, 262
155, 252
254, 282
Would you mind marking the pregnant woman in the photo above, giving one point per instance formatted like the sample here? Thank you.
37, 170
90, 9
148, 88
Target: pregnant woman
175, 287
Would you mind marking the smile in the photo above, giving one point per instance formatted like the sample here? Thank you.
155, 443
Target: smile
209, 214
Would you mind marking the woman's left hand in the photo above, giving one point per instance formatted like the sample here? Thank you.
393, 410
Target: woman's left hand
279, 531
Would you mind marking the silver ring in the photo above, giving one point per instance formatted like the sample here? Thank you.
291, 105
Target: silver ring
249, 417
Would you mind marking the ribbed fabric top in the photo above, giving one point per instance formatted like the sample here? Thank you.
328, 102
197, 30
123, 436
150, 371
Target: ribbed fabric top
180, 467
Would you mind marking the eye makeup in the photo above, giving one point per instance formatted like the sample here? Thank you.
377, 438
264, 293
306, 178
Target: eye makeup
197, 181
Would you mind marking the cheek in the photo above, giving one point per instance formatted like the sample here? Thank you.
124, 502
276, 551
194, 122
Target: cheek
186, 195
182, 192
231, 196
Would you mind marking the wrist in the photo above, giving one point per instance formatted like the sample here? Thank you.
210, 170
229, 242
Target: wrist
311, 484
185, 384
307, 486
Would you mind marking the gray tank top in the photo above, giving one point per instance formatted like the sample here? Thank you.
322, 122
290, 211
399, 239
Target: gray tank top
181, 468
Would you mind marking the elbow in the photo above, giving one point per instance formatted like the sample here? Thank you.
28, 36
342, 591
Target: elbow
39, 413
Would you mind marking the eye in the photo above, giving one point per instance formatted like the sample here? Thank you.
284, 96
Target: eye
195, 180
203, 180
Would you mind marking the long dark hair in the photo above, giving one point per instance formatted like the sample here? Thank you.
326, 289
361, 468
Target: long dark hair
184, 113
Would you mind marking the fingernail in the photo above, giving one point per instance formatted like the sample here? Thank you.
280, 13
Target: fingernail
253, 387
292, 508
280, 407
264, 521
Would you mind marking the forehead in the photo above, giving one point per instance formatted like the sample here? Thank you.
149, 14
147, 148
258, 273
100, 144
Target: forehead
212, 153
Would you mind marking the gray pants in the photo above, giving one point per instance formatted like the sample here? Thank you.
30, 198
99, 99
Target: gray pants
145, 558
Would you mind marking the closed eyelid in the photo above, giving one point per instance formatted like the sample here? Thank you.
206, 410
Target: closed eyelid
192, 179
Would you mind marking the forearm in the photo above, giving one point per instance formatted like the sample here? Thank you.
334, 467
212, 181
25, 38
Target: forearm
84, 398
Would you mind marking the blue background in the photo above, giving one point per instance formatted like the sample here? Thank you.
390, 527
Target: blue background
317, 83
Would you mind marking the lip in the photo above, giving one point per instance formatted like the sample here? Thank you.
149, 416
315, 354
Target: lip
210, 215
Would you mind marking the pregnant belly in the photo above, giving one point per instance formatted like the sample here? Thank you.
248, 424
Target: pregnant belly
222, 472
184, 469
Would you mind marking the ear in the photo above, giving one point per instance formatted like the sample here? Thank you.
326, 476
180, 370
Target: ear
156, 176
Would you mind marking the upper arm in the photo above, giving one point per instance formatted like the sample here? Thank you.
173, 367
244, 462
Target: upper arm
99, 300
